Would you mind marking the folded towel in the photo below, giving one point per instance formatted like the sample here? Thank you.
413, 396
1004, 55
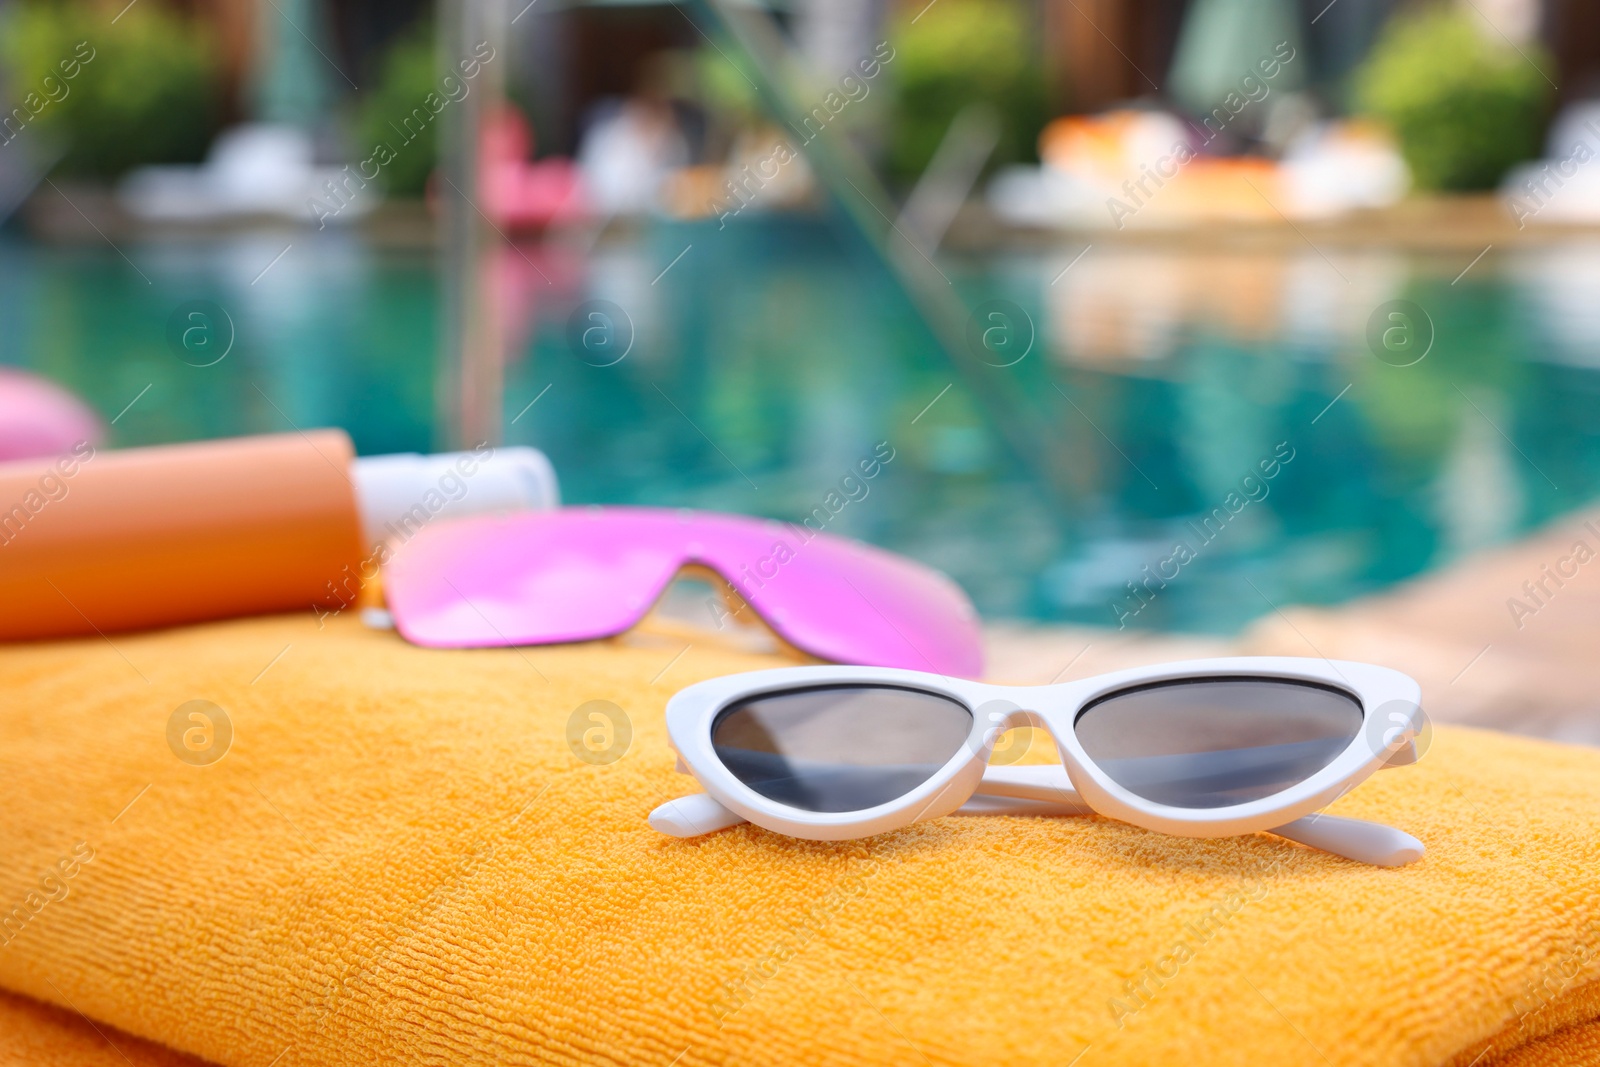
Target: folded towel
422, 856
1578, 1044
42, 1036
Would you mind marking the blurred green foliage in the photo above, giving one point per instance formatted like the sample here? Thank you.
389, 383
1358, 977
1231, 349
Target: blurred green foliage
724, 87
406, 76
1465, 107
960, 52
148, 92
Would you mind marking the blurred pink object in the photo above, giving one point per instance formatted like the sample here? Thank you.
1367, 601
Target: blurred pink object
518, 193
39, 418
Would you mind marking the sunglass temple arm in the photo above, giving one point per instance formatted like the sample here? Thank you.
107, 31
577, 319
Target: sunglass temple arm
1045, 790
1356, 839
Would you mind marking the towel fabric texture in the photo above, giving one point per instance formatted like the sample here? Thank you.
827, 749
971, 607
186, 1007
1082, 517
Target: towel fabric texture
39, 1035
417, 856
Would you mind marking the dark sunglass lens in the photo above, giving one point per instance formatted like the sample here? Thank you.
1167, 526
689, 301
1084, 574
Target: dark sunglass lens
1212, 743
840, 747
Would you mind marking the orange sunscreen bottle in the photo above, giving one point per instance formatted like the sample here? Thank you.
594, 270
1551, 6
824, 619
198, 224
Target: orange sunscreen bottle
98, 541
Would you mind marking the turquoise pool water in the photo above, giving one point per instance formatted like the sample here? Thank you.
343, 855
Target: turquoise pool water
770, 356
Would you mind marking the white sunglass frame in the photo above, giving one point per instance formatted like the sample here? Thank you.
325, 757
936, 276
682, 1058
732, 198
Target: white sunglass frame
1055, 708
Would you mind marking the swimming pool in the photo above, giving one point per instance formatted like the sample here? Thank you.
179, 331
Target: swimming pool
763, 361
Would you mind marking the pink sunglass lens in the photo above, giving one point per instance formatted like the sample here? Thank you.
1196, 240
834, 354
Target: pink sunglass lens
583, 573
852, 603
528, 578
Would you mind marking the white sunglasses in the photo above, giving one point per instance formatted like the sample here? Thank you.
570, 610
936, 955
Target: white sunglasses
1206, 748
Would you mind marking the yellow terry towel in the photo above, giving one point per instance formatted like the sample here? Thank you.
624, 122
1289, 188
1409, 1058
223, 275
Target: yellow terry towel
423, 857
38, 1035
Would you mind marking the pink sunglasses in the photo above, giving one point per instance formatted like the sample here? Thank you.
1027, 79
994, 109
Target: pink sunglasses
577, 574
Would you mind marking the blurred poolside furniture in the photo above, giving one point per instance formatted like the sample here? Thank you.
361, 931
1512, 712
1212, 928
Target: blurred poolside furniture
517, 192
1336, 167
1142, 169
1564, 187
627, 154
254, 170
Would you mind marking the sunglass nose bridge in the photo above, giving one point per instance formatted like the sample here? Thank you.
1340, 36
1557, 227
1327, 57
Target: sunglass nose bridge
738, 609
995, 718
1005, 715
729, 614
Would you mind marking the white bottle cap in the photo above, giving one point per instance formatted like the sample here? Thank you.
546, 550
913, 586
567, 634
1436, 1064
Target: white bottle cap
398, 495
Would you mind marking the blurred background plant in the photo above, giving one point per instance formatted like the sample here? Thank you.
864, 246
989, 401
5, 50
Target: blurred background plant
151, 93
1464, 105
405, 77
725, 88
957, 53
